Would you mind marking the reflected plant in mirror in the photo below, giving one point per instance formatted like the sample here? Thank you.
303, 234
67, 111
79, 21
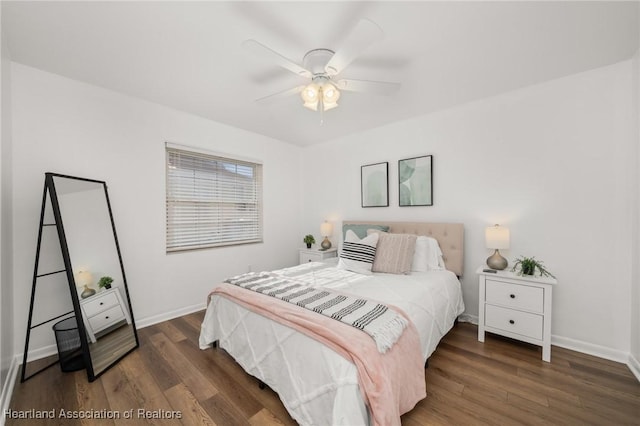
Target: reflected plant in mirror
105, 282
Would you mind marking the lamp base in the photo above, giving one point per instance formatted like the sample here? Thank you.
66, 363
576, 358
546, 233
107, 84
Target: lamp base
496, 261
87, 292
326, 244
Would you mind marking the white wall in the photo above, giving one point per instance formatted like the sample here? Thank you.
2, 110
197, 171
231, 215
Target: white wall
65, 126
7, 348
551, 162
635, 296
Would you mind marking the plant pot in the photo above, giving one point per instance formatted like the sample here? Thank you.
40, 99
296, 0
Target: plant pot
308, 246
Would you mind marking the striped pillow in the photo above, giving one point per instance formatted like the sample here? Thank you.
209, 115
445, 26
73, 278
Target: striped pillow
357, 254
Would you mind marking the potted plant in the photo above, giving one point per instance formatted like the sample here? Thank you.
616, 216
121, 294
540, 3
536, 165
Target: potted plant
528, 265
105, 282
308, 240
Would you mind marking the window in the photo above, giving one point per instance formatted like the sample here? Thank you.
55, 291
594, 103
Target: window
211, 200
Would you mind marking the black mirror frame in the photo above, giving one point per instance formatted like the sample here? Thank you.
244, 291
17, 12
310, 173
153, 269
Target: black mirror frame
51, 189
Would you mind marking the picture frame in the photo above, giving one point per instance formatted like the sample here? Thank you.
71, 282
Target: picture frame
374, 185
415, 181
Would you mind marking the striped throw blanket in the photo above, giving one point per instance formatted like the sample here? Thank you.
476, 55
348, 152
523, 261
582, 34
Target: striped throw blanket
383, 324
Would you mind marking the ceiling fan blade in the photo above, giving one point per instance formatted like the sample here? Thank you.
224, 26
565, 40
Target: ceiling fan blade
361, 36
279, 95
376, 87
267, 53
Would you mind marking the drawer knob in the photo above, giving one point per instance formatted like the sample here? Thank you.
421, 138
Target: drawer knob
512, 322
513, 296
107, 317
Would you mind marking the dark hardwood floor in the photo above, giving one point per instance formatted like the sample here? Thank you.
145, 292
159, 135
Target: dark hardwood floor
500, 382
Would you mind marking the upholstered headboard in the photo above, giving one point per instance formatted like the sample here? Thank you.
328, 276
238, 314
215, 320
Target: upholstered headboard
450, 236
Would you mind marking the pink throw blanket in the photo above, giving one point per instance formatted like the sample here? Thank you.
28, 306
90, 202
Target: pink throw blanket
391, 383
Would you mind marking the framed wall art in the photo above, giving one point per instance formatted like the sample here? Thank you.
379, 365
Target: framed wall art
415, 179
374, 188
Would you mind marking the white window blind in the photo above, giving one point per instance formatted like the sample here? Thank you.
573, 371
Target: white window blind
212, 201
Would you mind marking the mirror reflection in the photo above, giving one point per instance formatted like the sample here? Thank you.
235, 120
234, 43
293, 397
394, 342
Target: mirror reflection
97, 270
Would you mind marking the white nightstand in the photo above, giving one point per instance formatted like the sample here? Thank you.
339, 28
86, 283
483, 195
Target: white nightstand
516, 306
316, 255
102, 311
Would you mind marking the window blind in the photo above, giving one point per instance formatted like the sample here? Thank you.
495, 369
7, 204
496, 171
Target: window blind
212, 201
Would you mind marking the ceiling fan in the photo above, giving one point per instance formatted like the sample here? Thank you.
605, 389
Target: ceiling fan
322, 67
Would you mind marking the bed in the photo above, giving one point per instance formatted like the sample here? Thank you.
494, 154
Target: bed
317, 384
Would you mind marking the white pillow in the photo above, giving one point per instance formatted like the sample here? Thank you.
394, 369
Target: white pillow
357, 254
427, 255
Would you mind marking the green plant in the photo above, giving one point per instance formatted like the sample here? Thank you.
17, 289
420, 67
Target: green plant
105, 282
528, 265
308, 239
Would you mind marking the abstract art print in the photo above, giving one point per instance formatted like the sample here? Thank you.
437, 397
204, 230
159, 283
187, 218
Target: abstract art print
375, 185
415, 177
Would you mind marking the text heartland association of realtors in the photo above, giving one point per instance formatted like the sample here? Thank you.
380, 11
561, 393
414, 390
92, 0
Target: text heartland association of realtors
139, 413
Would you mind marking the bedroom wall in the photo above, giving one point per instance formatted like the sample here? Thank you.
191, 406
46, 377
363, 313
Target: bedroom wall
635, 296
7, 348
64, 126
551, 162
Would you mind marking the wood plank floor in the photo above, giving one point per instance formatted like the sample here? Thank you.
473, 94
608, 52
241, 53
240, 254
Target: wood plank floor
500, 382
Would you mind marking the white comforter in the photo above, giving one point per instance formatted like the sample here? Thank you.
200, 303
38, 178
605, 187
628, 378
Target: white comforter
315, 384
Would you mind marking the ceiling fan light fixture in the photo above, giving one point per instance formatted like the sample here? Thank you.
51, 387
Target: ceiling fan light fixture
313, 106
330, 94
311, 93
326, 106
324, 94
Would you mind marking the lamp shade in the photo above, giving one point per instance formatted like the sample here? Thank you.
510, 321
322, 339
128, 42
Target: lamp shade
497, 237
310, 96
326, 229
83, 278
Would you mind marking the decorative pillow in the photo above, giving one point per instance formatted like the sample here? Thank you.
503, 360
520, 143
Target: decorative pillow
357, 254
361, 230
427, 255
394, 253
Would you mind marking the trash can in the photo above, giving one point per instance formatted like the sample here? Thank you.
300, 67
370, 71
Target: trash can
69, 346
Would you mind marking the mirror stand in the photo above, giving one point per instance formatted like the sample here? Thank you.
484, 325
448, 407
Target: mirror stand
99, 330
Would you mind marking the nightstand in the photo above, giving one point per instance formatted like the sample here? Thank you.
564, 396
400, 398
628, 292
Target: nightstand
316, 255
516, 306
102, 311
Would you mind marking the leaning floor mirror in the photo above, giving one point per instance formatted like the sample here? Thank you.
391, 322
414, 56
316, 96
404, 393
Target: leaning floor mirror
94, 328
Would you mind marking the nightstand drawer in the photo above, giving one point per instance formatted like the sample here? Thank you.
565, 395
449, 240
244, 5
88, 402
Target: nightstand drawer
307, 257
314, 255
100, 303
106, 318
523, 323
515, 296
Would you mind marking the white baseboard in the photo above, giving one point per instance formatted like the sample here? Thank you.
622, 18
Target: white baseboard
155, 319
590, 349
7, 387
39, 353
634, 366
473, 319
583, 347
49, 350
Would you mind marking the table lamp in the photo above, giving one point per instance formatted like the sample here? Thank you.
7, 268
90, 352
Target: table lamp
326, 229
497, 237
84, 278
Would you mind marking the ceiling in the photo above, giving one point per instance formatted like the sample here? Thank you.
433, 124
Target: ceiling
188, 55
